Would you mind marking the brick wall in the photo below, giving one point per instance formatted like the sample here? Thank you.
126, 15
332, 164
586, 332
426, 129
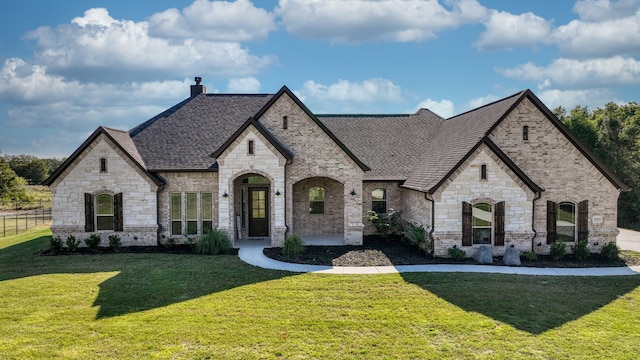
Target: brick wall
394, 200
122, 176
557, 166
329, 223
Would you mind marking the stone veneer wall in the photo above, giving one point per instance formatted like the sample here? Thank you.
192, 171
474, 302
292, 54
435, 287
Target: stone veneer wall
557, 166
266, 161
184, 182
465, 186
315, 155
416, 208
122, 176
329, 223
394, 200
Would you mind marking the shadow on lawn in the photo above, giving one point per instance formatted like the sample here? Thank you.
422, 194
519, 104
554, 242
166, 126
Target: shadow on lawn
143, 282
533, 304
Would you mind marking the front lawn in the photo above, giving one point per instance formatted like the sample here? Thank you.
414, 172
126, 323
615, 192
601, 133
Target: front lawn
169, 306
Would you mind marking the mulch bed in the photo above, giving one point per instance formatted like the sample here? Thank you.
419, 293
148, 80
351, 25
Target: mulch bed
380, 252
174, 249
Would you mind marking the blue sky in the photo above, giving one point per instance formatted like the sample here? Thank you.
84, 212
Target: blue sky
67, 67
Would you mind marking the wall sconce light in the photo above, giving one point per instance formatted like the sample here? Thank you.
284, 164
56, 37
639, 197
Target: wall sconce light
539, 244
225, 194
353, 192
277, 192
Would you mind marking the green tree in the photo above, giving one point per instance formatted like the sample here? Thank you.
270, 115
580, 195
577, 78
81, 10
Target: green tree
11, 185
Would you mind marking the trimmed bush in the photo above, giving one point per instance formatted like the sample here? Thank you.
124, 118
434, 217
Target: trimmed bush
558, 249
213, 243
72, 243
528, 255
581, 250
416, 235
610, 250
114, 242
293, 245
56, 244
457, 253
93, 242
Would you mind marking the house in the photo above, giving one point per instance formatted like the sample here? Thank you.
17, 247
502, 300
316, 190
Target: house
264, 166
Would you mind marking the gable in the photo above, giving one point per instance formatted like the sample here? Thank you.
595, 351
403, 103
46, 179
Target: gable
264, 152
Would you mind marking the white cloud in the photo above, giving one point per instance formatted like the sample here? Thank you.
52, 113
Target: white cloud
483, 100
358, 21
592, 98
217, 21
602, 38
599, 10
366, 92
508, 31
97, 47
444, 107
572, 73
244, 85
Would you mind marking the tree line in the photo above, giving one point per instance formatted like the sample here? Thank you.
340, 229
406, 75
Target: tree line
612, 133
16, 171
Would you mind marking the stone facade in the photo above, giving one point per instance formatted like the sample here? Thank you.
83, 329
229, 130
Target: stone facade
122, 176
316, 156
465, 185
565, 174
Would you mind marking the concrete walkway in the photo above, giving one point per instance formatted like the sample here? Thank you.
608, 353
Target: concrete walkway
628, 240
251, 253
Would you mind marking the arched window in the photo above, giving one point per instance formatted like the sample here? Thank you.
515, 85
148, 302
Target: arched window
104, 212
316, 200
379, 200
482, 223
566, 222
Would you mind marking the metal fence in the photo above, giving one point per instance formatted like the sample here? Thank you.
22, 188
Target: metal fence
15, 223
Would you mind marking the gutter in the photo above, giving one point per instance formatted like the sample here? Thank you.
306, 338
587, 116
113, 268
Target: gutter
533, 218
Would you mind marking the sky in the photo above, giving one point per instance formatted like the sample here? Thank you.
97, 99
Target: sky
67, 67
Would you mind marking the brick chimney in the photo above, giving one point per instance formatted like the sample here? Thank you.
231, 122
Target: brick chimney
198, 89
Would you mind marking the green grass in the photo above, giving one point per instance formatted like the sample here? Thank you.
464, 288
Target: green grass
163, 306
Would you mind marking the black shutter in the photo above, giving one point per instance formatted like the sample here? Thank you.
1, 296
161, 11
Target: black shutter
88, 213
117, 213
552, 213
467, 229
499, 224
583, 220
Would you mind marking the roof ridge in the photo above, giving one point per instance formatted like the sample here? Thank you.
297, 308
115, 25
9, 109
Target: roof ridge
363, 115
520, 93
239, 94
136, 130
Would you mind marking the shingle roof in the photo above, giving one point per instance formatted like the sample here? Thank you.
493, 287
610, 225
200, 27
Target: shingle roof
388, 144
454, 140
183, 137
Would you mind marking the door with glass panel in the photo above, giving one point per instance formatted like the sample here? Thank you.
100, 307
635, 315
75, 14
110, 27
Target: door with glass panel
258, 212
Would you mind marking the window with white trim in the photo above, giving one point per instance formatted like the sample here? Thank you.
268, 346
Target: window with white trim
482, 223
379, 200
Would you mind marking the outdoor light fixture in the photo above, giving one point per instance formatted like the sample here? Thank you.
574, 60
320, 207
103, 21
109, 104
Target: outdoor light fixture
277, 192
353, 192
225, 194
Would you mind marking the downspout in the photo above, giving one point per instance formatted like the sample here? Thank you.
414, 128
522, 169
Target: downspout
286, 193
159, 231
533, 218
429, 198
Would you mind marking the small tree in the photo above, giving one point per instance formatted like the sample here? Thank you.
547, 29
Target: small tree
385, 224
416, 235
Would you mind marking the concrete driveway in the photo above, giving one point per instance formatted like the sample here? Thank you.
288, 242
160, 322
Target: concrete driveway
628, 240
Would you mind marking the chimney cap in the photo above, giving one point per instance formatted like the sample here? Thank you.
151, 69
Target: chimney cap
198, 80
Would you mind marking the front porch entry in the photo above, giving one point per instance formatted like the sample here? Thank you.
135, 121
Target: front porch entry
252, 207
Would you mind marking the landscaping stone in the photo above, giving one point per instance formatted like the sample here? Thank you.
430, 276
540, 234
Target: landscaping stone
511, 257
484, 255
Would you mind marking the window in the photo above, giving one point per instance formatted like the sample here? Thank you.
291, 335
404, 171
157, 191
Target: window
103, 165
482, 223
192, 213
250, 149
316, 200
566, 222
104, 212
207, 212
483, 172
379, 200
176, 214
285, 122
525, 132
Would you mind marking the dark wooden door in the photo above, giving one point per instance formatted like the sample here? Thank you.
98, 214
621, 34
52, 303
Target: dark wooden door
258, 212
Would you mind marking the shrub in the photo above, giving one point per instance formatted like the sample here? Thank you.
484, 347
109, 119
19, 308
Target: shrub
56, 244
93, 242
72, 243
529, 255
385, 224
171, 242
416, 235
610, 250
581, 250
558, 249
293, 245
213, 243
114, 242
457, 253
